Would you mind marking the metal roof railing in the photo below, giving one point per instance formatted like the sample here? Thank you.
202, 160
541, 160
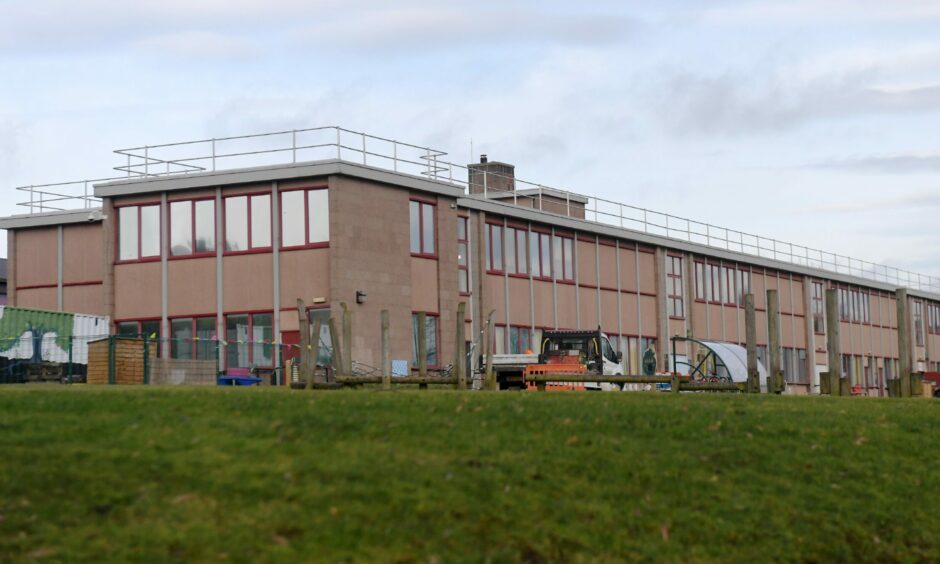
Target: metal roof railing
294, 146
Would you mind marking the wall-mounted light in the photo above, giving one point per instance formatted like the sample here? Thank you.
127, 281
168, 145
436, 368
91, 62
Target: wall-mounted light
360, 297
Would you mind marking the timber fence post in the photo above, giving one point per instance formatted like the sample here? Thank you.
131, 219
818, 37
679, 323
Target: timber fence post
347, 339
337, 359
313, 350
422, 349
750, 332
833, 345
304, 323
490, 379
386, 354
460, 348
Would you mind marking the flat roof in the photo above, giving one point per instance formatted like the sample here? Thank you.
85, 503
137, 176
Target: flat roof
493, 204
47, 219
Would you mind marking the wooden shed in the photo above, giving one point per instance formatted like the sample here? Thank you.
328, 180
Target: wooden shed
120, 360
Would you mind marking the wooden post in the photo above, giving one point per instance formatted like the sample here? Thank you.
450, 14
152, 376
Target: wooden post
386, 354
347, 339
904, 343
337, 359
833, 346
750, 335
304, 324
422, 348
675, 387
774, 378
460, 348
313, 352
489, 381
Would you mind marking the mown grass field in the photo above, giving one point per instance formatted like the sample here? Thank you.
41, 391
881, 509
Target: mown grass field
101, 474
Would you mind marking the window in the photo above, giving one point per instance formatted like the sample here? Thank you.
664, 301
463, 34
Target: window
494, 247
674, 302
149, 328
933, 319
854, 305
463, 261
540, 252
520, 340
563, 255
516, 251
247, 222
193, 338
721, 284
192, 227
918, 308
819, 308
127, 329
249, 338
744, 286
325, 353
430, 339
794, 365
422, 228
305, 218
499, 339
138, 232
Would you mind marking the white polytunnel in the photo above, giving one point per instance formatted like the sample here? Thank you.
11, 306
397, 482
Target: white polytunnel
734, 357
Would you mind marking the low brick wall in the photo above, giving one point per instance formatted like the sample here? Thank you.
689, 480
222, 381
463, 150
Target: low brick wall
170, 371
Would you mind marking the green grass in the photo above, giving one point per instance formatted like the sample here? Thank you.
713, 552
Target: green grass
272, 475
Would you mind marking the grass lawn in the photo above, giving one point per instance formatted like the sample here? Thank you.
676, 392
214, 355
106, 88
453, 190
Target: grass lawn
273, 475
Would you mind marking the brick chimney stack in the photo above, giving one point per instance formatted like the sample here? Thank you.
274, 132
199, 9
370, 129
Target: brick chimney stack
499, 177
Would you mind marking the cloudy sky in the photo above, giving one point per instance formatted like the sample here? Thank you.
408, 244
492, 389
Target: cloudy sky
812, 121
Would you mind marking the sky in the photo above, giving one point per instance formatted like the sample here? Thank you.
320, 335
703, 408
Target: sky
809, 121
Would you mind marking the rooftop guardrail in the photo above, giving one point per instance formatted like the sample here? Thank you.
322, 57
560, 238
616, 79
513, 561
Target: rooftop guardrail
321, 143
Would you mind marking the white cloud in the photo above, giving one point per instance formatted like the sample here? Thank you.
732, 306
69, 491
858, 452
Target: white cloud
198, 44
802, 12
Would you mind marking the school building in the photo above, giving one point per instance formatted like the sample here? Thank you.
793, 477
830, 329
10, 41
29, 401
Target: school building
202, 247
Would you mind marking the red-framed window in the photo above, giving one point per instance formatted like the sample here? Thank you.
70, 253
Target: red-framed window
249, 337
517, 263
463, 260
933, 319
138, 328
744, 285
192, 227
493, 244
918, 314
247, 223
431, 336
138, 232
728, 276
194, 338
819, 308
854, 305
540, 255
305, 218
422, 223
717, 284
563, 257
520, 339
674, 303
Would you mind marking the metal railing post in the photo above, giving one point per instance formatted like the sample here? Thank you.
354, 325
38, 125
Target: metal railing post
364, 152
339, 145
395, 156
213, 154
485, 189
293, 145
146, 161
